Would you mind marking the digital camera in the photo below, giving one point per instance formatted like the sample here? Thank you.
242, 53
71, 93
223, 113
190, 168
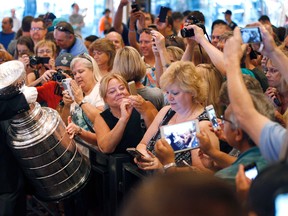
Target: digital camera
191, 20
35, 60
58, 76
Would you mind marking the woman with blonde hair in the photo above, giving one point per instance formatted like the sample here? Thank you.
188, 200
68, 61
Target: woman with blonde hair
128, 64
43, 49
79, 112
124, 123
186, 93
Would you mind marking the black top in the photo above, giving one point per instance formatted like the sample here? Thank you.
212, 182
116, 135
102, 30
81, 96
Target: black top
133, 133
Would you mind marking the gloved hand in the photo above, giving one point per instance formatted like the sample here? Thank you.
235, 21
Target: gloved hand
30, 93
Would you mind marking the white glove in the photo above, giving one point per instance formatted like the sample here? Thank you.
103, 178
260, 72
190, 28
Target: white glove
30, 93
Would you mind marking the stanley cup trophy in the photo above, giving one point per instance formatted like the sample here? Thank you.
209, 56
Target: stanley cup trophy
38, 139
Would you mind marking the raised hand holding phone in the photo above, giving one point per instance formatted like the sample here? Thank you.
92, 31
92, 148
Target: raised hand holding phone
66, 86
163, 14
212, 117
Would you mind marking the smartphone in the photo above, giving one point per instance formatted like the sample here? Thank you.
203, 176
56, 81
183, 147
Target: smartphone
132, 88
66, 86
163, 14
251, 171
181, 136
134, 152
135, 7
212, 116
281, 202
251, 35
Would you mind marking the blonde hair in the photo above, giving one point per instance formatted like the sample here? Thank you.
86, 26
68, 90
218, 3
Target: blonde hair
128, 63
187, 78
89, 63
176, 52
48, 43
214, 80
105, 81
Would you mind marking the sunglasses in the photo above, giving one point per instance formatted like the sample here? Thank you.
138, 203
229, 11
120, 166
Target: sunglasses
63, 29
85, 56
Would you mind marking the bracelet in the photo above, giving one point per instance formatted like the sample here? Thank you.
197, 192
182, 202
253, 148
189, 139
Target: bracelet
168, 166
130, 30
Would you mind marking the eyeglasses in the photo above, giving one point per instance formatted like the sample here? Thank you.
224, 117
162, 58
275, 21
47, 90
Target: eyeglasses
271, 70
36, 29
44, 51
85, 56
63, 29
223, 120
95, 52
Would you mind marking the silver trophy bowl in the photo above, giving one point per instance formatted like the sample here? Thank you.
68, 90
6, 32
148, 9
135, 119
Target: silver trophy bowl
40, 143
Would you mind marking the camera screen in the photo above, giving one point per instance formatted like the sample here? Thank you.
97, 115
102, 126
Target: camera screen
281, 204
251, 35
181, 136
212, 117
251, 173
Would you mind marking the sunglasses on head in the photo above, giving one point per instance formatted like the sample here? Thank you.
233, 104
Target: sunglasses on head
85, 56
63, 29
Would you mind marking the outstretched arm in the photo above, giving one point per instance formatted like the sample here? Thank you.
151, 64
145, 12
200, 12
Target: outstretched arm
117, 22
247, 116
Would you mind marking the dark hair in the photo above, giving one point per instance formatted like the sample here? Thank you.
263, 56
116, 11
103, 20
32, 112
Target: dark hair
10, 21
186, 13
199, 15
264, 187
281, 33
72, 6
91, 38
151, 15
182, 193
170, 21
26, 23
177, 15
218, 22
38, 19
25, 40
264, 18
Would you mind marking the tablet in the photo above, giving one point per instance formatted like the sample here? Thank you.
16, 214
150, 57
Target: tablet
182, 136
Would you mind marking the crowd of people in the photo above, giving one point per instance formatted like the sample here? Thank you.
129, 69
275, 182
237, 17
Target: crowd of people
176, 76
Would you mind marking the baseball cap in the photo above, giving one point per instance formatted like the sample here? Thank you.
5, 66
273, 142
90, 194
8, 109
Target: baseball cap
64, 60
228, 12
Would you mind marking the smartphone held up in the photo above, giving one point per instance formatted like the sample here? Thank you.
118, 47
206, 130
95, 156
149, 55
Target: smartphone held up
251, 35
212, 117
163, 14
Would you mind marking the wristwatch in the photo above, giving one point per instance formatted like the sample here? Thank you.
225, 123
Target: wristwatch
82, 102
169, 165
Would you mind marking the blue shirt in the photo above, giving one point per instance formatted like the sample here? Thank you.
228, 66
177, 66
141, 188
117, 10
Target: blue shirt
5, 39
245, 158
272, 139
76, 49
